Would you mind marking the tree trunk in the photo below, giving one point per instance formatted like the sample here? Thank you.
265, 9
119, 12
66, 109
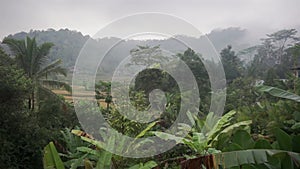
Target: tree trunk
107, 105
29, 103
207, 161
33, 101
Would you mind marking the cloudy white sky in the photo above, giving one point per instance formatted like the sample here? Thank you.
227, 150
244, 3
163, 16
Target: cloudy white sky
88, 16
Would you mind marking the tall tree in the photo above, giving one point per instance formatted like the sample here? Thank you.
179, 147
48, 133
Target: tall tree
32, 58
147, 56
274, 53
151, 57
232, 64
14, 84
193, 61
14, 89
280, 40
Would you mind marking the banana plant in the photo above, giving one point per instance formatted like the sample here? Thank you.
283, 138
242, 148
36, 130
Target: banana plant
103, 158
202, 141
51, 159
238, 146
72, 153
277, 92
242, 150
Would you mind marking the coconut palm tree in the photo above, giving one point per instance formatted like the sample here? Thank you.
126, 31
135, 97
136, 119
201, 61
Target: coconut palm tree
32, 58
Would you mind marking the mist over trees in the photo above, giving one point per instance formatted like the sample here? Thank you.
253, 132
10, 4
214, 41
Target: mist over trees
68, 43
260, 126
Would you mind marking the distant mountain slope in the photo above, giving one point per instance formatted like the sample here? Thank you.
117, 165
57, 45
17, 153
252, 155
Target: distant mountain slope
69, 43
234, 36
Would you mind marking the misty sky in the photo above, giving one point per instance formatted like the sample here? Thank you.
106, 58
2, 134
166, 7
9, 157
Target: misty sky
88, 16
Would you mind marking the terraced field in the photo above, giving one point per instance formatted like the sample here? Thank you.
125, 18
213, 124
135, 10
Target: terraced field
82, 94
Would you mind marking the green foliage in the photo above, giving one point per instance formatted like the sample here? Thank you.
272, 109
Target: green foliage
232, 64
147, 165
101, 158
195, 64
80, 151
149, 127
266, 115
146, 55
32, 58
67, 43
239, 158
25, 132
14, 118
274, 53
75, 150
271, 142
281, 113
241, 149
121, 123
283, 139
240, 93
279, 93
159, 80
14, 84
51, 158
103, 89
201, 142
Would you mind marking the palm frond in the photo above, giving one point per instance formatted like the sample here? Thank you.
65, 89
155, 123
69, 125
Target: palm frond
41, 56
44, 49
31, 54
52, 68
57, 84
18, 49
16, 46
54, 71
51, 94
58, 71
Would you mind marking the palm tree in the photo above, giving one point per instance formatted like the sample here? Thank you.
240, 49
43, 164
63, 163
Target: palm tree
32, 59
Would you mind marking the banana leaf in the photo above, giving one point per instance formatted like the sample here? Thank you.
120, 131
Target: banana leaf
253, 156
51, 159
274, 91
